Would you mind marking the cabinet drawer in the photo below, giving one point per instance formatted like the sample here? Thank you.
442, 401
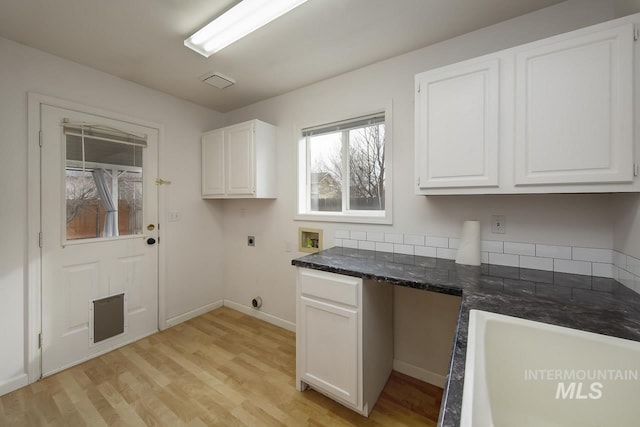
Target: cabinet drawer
330, 286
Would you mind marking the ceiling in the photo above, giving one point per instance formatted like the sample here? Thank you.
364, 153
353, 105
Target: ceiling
142, 40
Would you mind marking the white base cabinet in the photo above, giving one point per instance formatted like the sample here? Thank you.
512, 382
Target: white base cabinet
344, 337
552, 116
239, 161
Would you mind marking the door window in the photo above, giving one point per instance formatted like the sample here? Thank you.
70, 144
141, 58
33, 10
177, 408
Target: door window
103, 182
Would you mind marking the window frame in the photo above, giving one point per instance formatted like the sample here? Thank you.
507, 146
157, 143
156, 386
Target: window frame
303, 210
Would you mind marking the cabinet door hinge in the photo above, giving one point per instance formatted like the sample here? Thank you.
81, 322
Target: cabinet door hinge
635, 169
40, 138
40, 239
40, 340
636, 34
419, 88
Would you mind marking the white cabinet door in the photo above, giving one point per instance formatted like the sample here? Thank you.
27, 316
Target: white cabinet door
457, 125
329, 348
239, 146
213, 163
574, 106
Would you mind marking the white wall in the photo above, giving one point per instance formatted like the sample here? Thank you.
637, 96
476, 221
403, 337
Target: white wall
559, 219
626, 7
194, 247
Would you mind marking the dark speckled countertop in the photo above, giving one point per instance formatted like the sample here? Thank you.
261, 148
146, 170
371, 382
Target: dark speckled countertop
581, 302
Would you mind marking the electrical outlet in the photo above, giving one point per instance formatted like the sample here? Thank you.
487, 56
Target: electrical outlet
251, 240
174, 216
498, 224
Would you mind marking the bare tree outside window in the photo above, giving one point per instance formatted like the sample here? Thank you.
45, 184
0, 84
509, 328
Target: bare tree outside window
366, 168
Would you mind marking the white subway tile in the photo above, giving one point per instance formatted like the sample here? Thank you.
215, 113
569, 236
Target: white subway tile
348, 243
504, 259
633, 265
384, 247
438, 242
619, 259
342, 234
593, 255
536, 263
375, 236
358, 235
413, 239
518, 248
454, 243
425, 251
616, 273
553, 251
402, 249
369, 246
602, 270
626, 279
338, 242
446, 253
573, 267
494, 246
484, 257
393, 238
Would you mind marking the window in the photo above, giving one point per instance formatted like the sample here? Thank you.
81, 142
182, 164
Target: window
103, 190
343, 171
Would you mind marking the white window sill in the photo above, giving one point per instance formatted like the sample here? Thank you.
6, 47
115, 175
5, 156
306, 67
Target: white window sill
347, 218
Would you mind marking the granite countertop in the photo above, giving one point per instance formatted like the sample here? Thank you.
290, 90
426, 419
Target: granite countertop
581, 302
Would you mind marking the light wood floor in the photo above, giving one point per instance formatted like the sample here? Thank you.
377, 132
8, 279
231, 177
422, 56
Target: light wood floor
223, 368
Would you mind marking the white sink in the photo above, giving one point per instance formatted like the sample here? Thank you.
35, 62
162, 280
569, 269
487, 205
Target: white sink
522, 373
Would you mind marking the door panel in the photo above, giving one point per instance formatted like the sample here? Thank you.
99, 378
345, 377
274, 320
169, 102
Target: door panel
77, 266
574, 107
330, 360
213, 163
457, 123
240, 160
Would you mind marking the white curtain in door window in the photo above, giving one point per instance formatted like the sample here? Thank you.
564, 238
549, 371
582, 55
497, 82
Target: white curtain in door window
111, 217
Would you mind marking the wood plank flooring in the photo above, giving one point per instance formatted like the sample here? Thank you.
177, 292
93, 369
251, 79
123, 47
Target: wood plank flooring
223, 368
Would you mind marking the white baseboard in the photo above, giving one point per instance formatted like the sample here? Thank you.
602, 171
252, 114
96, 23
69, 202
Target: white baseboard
269, 318
419, 373
193, 313
14, 383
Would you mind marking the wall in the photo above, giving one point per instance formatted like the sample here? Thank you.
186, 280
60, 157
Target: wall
626, 7
193, 248
582, 220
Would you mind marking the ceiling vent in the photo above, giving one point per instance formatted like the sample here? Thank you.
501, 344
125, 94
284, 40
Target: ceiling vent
218, 80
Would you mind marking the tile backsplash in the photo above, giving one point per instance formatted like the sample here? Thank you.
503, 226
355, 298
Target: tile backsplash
563, 259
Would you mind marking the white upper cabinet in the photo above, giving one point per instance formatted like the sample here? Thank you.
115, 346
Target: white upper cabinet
552, 116
239, 161
574, 106
457, 123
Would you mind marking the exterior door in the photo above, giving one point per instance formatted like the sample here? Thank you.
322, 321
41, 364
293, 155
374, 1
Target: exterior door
99, 232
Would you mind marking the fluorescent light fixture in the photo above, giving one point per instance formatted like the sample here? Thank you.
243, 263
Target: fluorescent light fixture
242, 19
